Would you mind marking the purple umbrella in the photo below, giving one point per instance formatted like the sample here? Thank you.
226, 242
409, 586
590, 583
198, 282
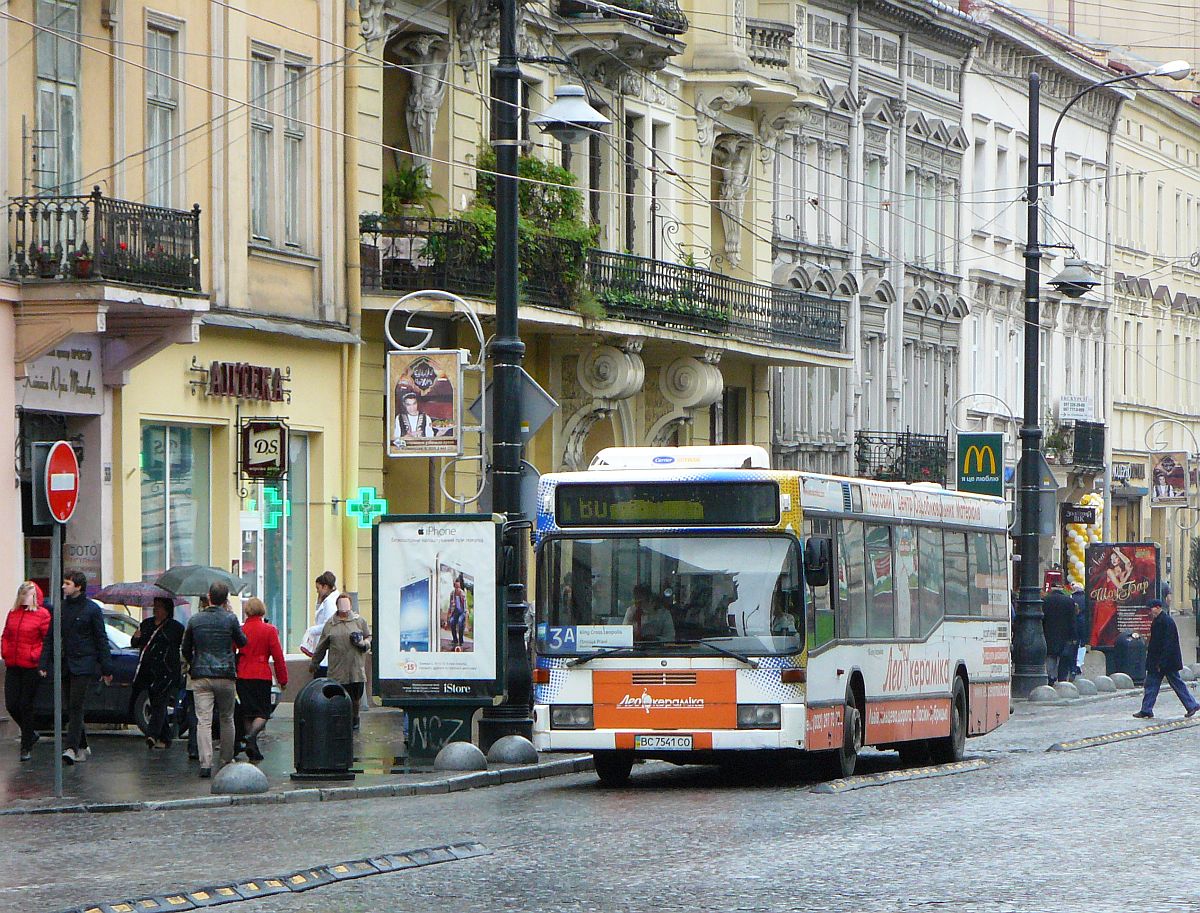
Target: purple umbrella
137, 593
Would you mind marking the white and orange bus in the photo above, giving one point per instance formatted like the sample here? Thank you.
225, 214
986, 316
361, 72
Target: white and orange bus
693, 603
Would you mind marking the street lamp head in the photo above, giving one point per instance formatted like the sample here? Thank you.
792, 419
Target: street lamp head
570, 118
1174, 69
1076, 280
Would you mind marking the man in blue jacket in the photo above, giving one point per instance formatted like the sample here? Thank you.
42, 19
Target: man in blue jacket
86, 657
1164, 660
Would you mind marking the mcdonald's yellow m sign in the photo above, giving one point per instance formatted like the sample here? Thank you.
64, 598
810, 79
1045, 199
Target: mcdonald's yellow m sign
980, 454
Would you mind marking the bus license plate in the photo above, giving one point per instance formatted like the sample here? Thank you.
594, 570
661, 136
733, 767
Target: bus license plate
663, 742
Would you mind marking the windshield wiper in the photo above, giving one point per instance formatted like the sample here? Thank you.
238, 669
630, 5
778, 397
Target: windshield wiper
753, 664
588, 657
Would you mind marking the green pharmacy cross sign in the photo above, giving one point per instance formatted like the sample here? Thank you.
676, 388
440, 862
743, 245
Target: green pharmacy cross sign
367, 507
275, 507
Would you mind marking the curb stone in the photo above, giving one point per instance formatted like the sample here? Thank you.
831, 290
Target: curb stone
445, 785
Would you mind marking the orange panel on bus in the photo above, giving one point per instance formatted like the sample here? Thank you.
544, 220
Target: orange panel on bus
665, 699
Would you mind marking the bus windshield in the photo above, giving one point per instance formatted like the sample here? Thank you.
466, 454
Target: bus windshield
676, 592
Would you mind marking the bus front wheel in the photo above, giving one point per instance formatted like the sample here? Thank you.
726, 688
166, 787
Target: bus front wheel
841, 761
951, 748
613, 767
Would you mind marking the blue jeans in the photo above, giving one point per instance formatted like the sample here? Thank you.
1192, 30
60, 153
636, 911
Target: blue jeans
1154, 682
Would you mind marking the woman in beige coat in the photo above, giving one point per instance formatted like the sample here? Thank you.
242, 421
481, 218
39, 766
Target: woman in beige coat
346, 640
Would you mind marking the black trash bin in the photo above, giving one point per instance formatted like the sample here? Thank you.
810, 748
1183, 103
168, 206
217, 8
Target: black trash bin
324, 740
1128, 655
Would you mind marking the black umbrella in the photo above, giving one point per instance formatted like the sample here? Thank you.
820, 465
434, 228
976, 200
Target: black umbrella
137, 593
195, 579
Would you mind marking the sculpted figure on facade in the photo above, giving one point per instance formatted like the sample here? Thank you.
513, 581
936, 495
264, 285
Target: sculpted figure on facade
733, 156
426, 58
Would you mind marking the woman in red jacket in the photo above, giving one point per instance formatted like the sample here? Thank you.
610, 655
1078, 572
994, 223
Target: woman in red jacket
21, 648
254, 672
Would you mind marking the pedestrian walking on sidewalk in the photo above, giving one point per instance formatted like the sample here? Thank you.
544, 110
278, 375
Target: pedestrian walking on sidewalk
327, 597
1058, 624
158, 673
25, 631
254, 672
85, 658
1164, 659
208, 646
346, 639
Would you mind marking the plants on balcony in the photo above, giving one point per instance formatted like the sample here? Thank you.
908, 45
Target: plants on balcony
553, 239
407, 193
45, 261
82, 263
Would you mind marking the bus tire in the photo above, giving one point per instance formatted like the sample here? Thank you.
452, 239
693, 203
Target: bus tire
951, 748
613, 767
841, 762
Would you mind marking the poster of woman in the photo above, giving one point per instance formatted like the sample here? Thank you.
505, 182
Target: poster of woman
1168, 473
424, 404
1121, 579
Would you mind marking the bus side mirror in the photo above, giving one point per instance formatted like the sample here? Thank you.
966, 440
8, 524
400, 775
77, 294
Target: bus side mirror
817, 559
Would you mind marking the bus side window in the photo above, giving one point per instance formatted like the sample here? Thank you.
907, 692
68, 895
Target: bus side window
931, 577
957, 590
998, 604
819, 600
979, 574
908, 591
851, 556
881, 602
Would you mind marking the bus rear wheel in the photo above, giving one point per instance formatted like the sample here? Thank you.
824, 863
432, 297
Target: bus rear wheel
841, 761
951, 748
613, 767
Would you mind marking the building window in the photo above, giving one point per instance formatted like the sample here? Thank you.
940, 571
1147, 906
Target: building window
278, 170
176, 492
162, 114
55, 144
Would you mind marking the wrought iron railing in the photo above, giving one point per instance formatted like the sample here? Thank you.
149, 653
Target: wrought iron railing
901, 456
408, 254
770, 42
98, 237
1081, 446
665, 15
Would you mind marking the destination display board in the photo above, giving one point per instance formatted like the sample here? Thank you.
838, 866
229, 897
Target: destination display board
658, 504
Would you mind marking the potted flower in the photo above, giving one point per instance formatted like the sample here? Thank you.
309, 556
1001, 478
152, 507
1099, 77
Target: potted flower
82, 263
407, 193
45, 261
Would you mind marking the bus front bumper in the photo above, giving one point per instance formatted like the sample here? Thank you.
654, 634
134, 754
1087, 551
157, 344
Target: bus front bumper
790, 735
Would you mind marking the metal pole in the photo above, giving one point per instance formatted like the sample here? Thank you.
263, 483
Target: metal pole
1029, 641
507, 351
56, 597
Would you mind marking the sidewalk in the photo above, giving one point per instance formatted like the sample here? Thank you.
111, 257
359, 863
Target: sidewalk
123, 770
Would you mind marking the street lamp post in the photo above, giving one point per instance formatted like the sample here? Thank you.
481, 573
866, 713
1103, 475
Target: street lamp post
507, 351
1029, 642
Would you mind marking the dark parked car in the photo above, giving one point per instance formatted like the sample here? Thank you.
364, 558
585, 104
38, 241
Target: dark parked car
115, 703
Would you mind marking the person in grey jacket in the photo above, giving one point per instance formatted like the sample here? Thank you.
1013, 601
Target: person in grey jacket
208, 648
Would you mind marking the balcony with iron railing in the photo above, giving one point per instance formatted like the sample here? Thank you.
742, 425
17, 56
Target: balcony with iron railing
901, 456
98, 238
663, 16
408, 254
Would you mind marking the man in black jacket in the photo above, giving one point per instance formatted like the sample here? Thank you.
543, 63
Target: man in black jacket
1058, 624
86, 656
1164, 660
208, 646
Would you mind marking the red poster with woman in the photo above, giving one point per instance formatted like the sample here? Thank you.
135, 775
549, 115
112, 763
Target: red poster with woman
1121, 578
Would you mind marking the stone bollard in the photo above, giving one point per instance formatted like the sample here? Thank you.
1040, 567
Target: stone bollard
1104, 684
512, 749
460, 756
1086, 687
1043, 694
1066, 690
1187, 674
239, 779
1195, 667
1122, 681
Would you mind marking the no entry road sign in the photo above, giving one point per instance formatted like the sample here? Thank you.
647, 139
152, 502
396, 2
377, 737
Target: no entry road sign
62, 481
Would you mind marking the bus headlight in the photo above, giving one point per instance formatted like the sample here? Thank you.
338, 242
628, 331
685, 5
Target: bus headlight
758, 716
571, 716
